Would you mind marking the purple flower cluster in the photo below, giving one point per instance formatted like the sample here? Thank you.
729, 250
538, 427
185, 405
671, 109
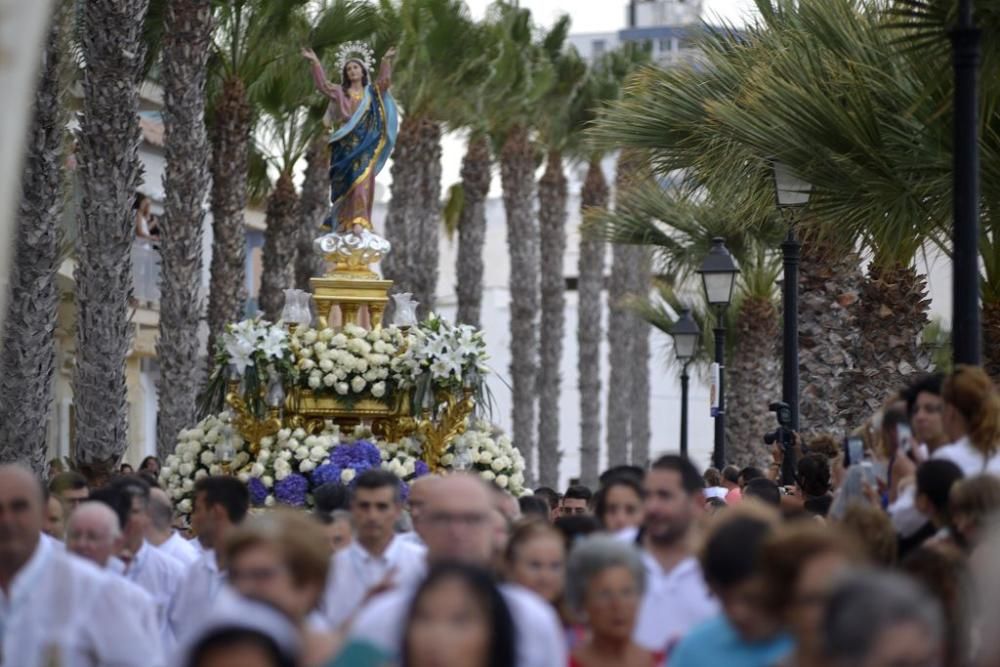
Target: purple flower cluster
258, 492
420, 469
292, 490
325, 474
357, 456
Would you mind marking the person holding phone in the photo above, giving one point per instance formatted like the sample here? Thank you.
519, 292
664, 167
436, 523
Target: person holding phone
899, 447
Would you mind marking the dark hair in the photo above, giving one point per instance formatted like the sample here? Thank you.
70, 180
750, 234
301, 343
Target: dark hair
550, 495
119, 502
222, 640
636, 472
229, 492
750, 473
132, 487
712, 477
122, 467
67, 481
764, 490
818, 505
137, 202
578, 492
691, 479
142, 466
527, 530
149, 478
928, 384
601, 498
813, 474
576, 526
345, 83
376, 478
935, 479
894, 415
534, 506
731, 474
483, 590
330, 497
730, 555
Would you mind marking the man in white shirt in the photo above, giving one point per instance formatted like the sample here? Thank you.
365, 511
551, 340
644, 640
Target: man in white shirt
456, 525
220, 503
153, 570
94, 533
160, 532
676, 598
378, 557
56, 608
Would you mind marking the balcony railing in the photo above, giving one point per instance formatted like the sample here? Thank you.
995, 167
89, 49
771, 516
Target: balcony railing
145, 274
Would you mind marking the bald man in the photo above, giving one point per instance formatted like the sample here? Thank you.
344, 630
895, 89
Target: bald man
456, 523
160, 531
54, 605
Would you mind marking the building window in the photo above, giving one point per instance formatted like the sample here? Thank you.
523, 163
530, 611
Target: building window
597, 47
664, 44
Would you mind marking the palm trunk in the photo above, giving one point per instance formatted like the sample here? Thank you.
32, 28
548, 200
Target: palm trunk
472, 230
991, 339
279, 247
425, 251
185, 57
590, 285
891, 317
113, 51
829, 283
230, 134
639, 428
517, 166
403, 209
753, 379
27, 360
552, 228
314, 206
620, 342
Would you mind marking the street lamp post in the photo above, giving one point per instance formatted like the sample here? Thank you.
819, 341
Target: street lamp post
685, 333
791, 194
718, 275
966, 333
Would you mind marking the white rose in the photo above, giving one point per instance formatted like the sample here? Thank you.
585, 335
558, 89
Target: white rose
447, 460
315, 382
485, 457
256, 470
186, 469
281, 474
498, 464
171, 462
215, 469
306, 353
264, 455
319, 347
243, 476
188, 457
207, 458
284, 434
184, 506
378, 389
487, 475
302, 453
358, 384
197, 434
166, 472
269, 501
502, 481
307, 364
326, 365
317, 454
307, 466
310, 337
329, 379
409, 467
517, 479
200, 472
347, 475
299, 434
326, 335
267, 481
340, 340
187, 485
342, 388
285, 455
267, 442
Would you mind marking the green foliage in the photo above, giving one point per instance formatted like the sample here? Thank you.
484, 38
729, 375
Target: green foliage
452, 211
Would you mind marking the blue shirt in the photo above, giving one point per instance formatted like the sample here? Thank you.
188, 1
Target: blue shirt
716, 642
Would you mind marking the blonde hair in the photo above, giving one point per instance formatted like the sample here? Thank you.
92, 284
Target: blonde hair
294, 535
977, 498
971, 391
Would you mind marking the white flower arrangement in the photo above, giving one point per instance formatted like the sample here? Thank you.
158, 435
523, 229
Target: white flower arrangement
403, 459
489, 452
354, 363
442, 355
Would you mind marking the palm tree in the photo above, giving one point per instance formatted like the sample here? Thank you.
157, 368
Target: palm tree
28, 354
108, 139
557, 132
314, 205
436, 39
188, 34
472, 228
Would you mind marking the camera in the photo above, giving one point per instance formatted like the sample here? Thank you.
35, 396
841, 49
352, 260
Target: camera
786, 437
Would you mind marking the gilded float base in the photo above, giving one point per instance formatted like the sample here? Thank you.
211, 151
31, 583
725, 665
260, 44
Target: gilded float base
360, 298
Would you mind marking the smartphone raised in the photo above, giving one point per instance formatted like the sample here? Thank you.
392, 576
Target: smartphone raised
854, 451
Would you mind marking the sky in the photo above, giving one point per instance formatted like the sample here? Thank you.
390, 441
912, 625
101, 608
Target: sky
609, 15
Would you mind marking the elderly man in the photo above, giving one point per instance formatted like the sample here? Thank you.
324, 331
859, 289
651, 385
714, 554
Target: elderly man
456, 525
55, 607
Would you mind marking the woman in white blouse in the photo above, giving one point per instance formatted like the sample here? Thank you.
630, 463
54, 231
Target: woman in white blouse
971, 421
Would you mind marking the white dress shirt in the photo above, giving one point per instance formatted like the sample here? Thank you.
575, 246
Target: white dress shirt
674, 603
968, 458
160, 575
354, 572
66, 609
197, 592
539, 637
180, 549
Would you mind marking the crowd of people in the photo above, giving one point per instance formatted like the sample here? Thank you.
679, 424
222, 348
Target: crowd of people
882, 553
